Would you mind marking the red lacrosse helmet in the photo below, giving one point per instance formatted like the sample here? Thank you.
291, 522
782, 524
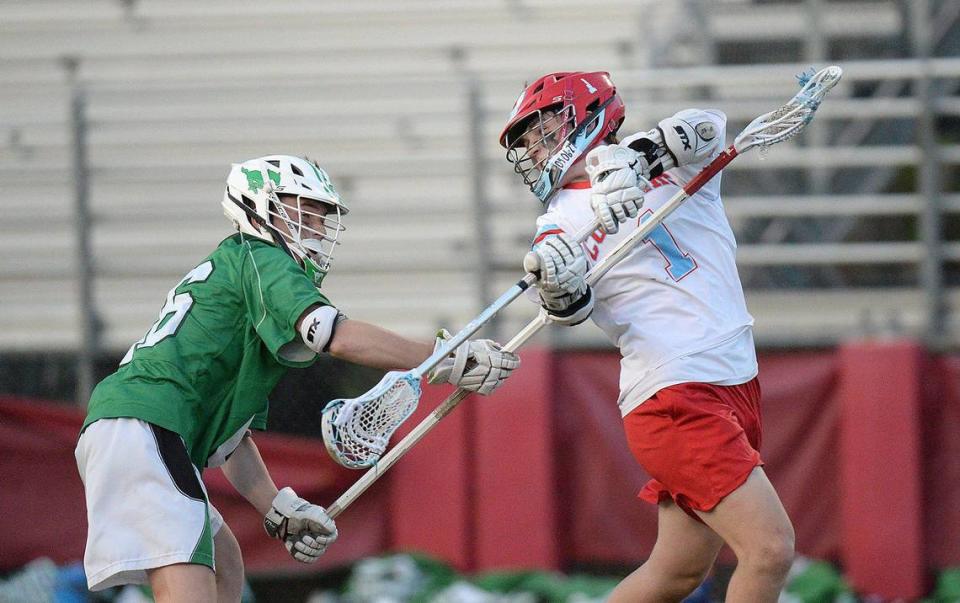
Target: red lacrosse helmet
566, 114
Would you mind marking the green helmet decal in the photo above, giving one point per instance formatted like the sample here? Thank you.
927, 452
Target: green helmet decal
254, 179
314, 272
325, 181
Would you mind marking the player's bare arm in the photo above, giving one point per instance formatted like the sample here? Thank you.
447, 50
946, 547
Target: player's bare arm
367, 344
313, 531
325, 329
247, 473
305, 529
478, 365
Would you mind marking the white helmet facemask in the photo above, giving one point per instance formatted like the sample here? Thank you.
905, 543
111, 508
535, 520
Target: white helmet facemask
310, 234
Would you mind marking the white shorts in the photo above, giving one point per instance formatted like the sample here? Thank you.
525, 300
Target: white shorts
146, 504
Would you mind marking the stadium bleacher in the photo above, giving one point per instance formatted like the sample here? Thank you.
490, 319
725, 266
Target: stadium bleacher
175, 91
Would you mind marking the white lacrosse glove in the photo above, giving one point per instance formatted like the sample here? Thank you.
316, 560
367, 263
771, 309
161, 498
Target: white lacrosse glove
477, 365
305, 529
566, 310
686, 138
560, 266
618, 182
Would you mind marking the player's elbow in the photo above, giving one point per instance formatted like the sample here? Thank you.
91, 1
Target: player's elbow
340, 345
349, 341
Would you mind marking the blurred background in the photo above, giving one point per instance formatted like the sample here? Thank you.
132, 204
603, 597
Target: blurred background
119, 120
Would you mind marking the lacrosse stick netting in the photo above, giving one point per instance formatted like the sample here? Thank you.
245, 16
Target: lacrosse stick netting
353, 439
766, 130
787, 121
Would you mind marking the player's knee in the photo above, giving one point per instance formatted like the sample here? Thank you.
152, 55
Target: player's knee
678, 582
229, 562
771, 558
686, 583
230, 580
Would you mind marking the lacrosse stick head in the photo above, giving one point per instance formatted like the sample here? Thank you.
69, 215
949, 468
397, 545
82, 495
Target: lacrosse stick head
790, 119
357, 431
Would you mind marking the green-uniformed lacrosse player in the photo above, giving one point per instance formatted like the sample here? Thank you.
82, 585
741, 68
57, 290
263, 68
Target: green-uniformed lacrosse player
188, 394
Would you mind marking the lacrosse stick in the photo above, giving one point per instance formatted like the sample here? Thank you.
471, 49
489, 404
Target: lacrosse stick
764, 131
356, 431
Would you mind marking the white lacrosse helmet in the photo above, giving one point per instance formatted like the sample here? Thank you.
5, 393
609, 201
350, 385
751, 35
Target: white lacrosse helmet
265, 188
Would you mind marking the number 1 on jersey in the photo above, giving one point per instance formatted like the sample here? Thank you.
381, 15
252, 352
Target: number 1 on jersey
679, 262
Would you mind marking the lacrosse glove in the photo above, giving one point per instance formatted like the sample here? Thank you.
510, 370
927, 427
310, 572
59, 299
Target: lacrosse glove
617, 184
305, 529
686, 138
477, 365
560, 266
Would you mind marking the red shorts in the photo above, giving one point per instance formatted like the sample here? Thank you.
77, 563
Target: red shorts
697, 441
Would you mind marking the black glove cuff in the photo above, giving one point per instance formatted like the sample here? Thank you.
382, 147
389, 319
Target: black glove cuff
584, 300
652, 152
273, 528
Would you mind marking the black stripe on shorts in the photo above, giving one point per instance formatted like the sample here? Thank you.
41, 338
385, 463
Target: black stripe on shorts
174, 456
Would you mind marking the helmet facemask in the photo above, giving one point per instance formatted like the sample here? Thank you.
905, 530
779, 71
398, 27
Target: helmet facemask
310, 235
553, 135
533, 151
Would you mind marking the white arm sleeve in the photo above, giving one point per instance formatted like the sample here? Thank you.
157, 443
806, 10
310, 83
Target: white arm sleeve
316, 328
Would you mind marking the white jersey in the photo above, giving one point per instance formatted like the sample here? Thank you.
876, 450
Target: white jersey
675, 306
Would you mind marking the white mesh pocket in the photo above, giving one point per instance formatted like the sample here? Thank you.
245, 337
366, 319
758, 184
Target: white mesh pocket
357, 431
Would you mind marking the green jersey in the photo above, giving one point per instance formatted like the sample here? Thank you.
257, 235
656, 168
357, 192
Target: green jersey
224, 338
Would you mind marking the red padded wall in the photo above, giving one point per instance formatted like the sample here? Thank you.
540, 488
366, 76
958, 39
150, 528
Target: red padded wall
514, 498
860, 442
882, 502
429, 505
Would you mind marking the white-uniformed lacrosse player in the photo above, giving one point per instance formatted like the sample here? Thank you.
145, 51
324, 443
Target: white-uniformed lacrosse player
188, 394
689, 394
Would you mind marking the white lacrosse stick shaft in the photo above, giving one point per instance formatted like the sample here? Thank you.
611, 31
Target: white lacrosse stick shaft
500, 303
766, 130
